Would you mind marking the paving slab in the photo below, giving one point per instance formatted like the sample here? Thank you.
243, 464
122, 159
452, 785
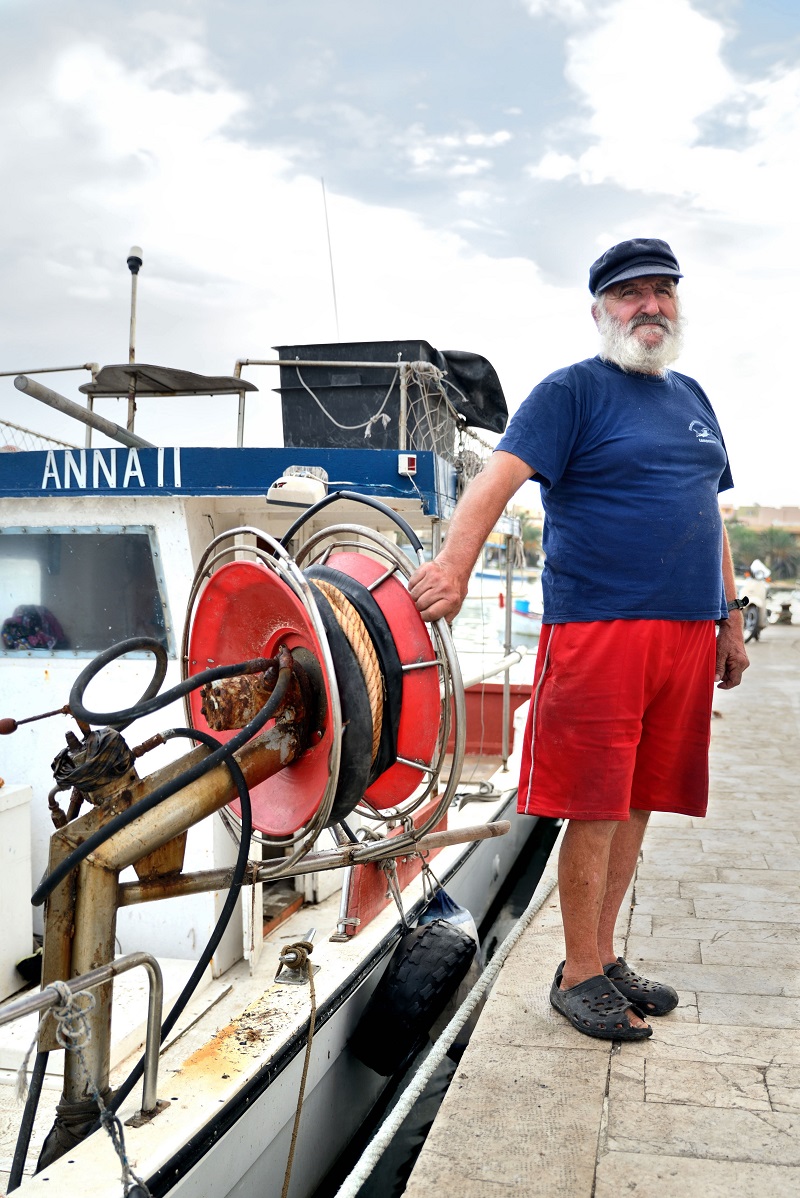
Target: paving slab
782, 859
675, 1041
731, 908
646, 1175
698, 1083
653, 948
763, 877
689, 1129
750, 1009
694, 854
709, 1106
725, 979
733, 930
703, 871
727, 952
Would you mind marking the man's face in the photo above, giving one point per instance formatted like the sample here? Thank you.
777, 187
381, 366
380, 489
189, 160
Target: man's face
643, 307
640, 323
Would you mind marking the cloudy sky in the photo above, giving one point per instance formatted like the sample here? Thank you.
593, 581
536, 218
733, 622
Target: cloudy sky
477, 156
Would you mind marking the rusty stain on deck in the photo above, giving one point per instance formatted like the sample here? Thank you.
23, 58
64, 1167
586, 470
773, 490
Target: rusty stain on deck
233, 1044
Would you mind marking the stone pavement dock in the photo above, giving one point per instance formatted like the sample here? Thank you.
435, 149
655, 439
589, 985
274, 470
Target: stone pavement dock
709, 1106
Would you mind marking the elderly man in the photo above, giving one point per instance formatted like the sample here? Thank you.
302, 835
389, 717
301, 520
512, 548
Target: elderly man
640, 611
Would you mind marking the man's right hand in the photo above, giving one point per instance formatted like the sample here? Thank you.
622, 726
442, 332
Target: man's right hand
436, 592
440, 587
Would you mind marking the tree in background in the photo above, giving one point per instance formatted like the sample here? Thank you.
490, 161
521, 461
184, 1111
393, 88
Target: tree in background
781, 552
745, 544
778, 547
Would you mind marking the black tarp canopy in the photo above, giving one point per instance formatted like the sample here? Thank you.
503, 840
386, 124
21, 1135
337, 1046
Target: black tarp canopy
161, 380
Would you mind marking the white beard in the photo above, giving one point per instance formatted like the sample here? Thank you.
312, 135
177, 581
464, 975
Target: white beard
621, 345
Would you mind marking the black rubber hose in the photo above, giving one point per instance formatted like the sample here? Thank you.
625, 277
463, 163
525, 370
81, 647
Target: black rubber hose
28, 1118
368, 500
165, 791
224, 916
150, 701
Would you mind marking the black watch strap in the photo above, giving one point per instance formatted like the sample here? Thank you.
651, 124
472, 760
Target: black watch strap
738, 604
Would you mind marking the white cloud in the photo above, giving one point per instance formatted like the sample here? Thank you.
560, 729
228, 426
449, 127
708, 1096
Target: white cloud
469, 166
653, 80
444, 153
554, 166
645, 123
235, 252
568, 11
473, 199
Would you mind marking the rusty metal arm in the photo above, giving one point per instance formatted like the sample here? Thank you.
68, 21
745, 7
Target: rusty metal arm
259, 759
130, 893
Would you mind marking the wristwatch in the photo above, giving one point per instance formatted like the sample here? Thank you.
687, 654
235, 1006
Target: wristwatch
738, 604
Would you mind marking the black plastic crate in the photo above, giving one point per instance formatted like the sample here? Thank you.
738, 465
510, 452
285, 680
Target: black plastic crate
348, 397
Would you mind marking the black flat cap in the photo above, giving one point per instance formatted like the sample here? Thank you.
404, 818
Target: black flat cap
633, 260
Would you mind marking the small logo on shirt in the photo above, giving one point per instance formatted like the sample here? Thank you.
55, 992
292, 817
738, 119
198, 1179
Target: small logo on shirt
702, 432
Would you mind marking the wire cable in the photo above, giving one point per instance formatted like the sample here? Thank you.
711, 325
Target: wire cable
150, 701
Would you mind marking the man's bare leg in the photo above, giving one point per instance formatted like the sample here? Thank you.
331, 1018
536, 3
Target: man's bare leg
622, 860
584, 866
582, 879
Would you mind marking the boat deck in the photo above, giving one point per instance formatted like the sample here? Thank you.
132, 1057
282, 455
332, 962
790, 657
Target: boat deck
710, 1105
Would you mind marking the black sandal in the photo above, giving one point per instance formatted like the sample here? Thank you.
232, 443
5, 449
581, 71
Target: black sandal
648, 998
596, 1008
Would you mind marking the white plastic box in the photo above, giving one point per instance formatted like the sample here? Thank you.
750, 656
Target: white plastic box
16, 941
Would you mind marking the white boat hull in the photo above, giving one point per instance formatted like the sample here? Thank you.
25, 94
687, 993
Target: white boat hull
223, 1137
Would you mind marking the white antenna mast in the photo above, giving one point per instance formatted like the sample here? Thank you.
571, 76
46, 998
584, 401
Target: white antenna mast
330, 258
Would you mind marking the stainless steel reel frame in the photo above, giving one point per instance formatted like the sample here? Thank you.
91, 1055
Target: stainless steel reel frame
452, 691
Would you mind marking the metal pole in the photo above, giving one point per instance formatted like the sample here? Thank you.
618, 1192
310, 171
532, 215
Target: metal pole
90, 407
62, 404
93, 367
259, 759
237, 372
505, 752
504, 663
149, 890
402, 432
134, 263
240, 422
436, 538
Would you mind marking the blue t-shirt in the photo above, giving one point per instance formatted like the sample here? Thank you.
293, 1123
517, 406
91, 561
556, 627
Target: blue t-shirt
630, 466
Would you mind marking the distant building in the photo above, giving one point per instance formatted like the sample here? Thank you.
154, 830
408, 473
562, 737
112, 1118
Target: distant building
758, 517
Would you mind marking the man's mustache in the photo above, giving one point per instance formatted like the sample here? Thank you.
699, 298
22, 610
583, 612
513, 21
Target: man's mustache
643, 318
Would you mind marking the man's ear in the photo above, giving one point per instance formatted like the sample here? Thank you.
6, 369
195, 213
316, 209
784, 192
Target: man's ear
594, 314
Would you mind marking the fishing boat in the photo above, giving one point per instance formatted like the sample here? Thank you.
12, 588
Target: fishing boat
527, 610
253, 851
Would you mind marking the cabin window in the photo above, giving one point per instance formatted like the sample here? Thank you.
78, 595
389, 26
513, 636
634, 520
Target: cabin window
76, 591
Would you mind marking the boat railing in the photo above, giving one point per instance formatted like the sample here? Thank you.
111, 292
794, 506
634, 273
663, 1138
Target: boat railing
44, 1000
499, 667
427, 418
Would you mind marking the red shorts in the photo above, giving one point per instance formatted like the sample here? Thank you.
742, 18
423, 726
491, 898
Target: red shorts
620, 718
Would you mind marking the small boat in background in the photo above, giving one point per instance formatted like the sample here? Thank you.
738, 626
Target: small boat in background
527, 609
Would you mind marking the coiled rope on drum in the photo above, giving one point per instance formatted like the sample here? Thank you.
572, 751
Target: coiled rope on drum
361, 643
